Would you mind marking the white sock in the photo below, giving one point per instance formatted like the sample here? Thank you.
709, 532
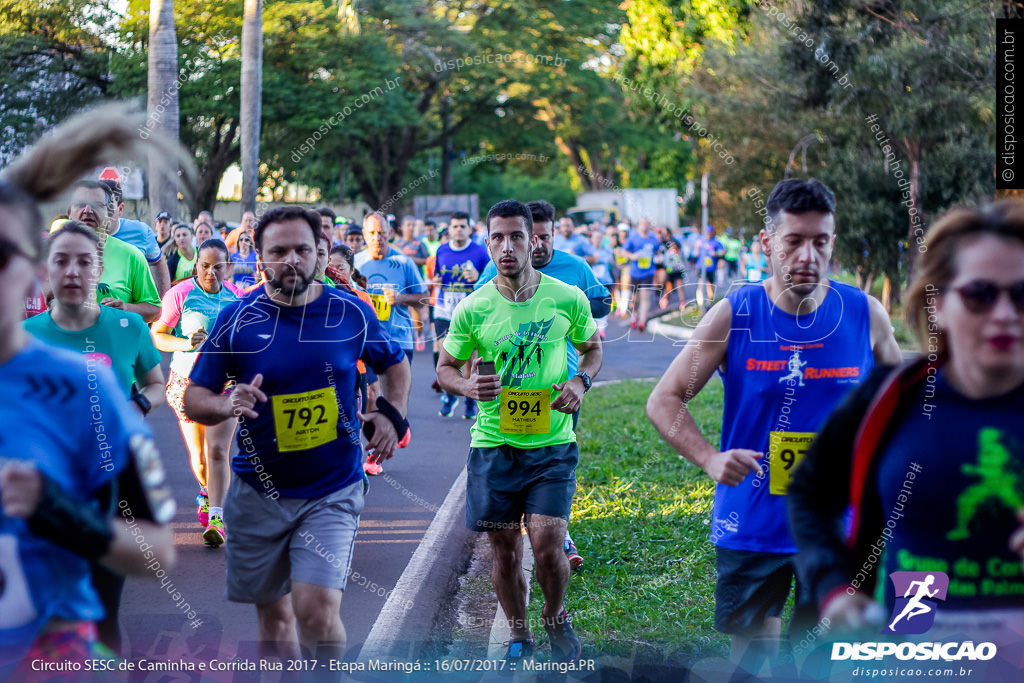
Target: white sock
216, 512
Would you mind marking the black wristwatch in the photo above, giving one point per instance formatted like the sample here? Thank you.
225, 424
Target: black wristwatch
144, 403
587, 382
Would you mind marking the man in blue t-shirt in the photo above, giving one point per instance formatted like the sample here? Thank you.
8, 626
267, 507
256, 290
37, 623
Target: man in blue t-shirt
709, 250
393, 282
457, 267
788, 350
139, 235
566, 239
292, 346
640, 248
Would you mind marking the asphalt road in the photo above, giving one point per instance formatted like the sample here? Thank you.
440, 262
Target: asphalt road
399, 507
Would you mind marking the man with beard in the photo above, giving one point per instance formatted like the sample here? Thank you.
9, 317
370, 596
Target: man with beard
297, 474
523, 454
126, 282
788, 349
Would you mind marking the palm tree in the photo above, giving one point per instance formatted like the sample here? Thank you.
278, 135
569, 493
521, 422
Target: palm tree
162, 102
252, 71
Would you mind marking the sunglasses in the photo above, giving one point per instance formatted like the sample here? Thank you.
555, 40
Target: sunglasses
980, 296
8, 250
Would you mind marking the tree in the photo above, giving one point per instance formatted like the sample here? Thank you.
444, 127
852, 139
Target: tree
252, 70
162, 106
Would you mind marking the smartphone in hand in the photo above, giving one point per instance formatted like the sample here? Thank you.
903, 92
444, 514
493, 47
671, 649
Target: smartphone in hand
486, 367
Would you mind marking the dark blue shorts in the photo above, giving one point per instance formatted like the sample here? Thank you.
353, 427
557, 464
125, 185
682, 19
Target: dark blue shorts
505, 483
752, 586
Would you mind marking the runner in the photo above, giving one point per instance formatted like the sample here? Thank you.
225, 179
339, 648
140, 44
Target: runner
752, 337
246, 226
675, 274
708, 252
603, 263
566, 239
297, 471
107, 337
182, 261
755, 264
523, 453
244, 261
409, 245
189, 309
458, 266
65, 496
163, 230
393, 280
126, 281
136, 233
204, 231
625, 289
354, 238
640, 248
921, 467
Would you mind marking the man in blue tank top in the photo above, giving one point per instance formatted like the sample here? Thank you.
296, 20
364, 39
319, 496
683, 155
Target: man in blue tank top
788, 350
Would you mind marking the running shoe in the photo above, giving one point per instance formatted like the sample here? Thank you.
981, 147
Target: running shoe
448, 404
372, 468
471, 410
641, 327
632, 322
518, 650
575, 559
215, 535
565, 645
203, 511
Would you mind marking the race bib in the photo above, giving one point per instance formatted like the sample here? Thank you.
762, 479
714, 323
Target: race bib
525, 411
382, 306
785, 451
643, 263
306, 420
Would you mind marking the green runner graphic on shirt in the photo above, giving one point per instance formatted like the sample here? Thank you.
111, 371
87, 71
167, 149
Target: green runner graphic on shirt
527, 342
997, 482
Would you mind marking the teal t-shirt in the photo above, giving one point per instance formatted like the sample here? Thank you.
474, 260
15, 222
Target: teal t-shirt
118, 339
527, 342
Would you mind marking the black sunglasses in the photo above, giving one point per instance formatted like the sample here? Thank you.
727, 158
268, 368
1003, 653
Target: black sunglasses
980, 296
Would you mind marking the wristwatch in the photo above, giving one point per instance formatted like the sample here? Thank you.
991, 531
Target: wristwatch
587, 382
144, 403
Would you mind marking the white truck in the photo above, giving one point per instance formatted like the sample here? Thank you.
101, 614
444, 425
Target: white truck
658, 205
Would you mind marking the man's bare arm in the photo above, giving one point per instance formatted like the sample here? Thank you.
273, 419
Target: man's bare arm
883, 343
684, 379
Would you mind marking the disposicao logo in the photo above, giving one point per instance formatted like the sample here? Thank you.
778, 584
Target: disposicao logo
917, 596
913, 613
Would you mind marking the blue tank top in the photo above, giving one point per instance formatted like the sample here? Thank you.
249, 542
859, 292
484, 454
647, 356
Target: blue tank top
784, 374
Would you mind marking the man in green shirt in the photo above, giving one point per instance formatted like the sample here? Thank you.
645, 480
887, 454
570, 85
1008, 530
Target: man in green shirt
126, 282
523, 453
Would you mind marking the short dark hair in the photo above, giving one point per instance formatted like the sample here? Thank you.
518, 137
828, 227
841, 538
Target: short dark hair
798, 196
287, 213
510, 208
542, 211
459, 215
429, 222
408, 218
214, 243
346, 253
325, 211
95, 185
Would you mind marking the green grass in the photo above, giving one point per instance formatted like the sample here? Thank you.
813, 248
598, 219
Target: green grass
641, 518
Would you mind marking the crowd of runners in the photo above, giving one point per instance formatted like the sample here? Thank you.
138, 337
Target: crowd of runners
827, 432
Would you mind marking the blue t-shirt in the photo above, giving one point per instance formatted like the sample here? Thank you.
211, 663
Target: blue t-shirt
952, 478
397, 271
68, 417
186, 308
603, 267
706, 259
450, 263
783, 376
140, 235
245, 269
578, 245
305, 441
647, 248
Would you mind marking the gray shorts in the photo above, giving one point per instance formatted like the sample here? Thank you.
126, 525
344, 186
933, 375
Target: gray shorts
275, 542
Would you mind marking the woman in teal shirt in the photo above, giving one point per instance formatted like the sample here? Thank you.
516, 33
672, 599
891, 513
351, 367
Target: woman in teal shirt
115, 338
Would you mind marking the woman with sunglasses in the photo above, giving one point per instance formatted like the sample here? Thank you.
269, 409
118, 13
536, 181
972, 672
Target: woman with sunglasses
245, 262
188, 310
80, 478
929, 458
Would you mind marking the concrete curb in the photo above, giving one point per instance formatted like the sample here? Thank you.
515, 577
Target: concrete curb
405, 622
672, 331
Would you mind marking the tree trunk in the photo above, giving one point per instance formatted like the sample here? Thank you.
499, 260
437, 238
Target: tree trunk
252, 72
914, 231
446, 144
162, 103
